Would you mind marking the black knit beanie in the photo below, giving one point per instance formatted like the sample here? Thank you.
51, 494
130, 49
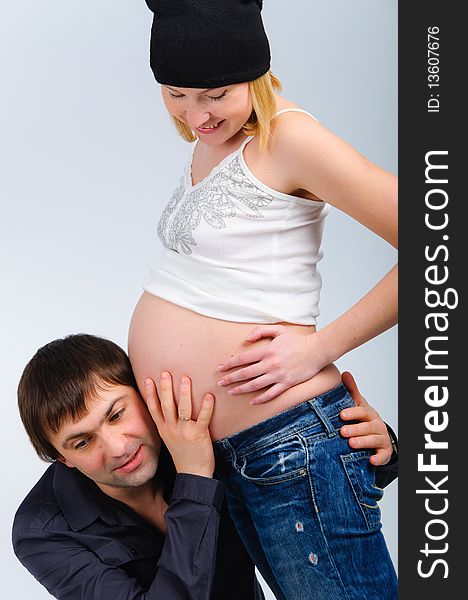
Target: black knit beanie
207, 43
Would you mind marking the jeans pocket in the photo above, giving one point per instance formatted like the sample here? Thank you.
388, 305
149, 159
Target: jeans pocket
279, 462
361, 476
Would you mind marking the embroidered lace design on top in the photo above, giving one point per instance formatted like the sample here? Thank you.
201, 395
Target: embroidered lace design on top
219, 197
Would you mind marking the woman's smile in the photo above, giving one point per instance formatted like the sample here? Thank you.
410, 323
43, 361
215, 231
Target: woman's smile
209, 129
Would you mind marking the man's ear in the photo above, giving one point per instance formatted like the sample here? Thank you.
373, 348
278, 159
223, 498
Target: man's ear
65, 461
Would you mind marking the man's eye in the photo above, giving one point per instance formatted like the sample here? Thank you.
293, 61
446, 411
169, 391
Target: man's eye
175, 95
81, 444
116, 416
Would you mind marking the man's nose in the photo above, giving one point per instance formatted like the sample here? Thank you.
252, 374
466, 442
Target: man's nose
115, 444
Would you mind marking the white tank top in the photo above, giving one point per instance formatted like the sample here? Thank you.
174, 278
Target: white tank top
238, 250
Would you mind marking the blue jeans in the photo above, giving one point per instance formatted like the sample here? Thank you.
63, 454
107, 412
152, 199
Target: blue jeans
305, 505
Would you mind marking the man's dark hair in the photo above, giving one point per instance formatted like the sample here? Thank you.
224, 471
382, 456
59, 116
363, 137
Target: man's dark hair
59, 379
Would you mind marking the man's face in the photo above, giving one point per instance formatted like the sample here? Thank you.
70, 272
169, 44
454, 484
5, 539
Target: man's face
116, 444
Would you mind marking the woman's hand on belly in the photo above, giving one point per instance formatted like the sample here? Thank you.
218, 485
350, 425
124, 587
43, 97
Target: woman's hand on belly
167, 337
289, 359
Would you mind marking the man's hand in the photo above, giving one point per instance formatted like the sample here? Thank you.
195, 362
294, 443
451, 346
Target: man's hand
188, 441
371, 431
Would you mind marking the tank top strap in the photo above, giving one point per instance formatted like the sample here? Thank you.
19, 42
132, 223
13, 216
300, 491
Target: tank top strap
284, 110
280, 112
248, 139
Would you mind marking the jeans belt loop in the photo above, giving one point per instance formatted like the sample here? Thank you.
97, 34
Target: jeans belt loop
323, 418
232, 453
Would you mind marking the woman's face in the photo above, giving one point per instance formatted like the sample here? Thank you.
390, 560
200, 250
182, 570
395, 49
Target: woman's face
215, 114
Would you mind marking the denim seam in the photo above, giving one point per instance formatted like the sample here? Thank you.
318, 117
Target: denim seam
348, 459
324, 418
231, 452
337, 408
290, 432
324, 537
276, 479
309, 472
288, 435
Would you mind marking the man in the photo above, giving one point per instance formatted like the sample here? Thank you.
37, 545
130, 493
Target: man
113, 516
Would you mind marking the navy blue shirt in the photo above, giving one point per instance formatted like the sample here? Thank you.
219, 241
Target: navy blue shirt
80, 544
385, 474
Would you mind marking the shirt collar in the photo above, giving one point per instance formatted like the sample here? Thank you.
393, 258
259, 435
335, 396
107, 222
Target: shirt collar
81, 501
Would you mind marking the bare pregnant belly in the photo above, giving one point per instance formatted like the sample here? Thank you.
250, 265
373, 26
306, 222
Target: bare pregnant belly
167, 337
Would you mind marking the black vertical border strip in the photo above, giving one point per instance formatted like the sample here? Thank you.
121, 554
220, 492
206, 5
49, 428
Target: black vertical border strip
420, 132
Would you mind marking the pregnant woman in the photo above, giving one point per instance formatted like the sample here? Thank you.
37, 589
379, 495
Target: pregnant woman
234, 302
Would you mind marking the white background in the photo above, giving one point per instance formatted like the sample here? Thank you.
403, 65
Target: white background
88, 159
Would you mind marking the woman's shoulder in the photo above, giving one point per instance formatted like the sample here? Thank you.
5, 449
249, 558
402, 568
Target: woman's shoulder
292, 128
283, 103
286, 108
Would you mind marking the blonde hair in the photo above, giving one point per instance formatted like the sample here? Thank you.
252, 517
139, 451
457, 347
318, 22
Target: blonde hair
262, 93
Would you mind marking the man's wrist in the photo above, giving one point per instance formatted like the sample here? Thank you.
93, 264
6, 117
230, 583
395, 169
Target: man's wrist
196, 488
198, 472
393, 441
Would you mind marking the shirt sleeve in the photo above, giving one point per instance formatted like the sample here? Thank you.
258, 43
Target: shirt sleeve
385, 474
70, 570
188, 559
